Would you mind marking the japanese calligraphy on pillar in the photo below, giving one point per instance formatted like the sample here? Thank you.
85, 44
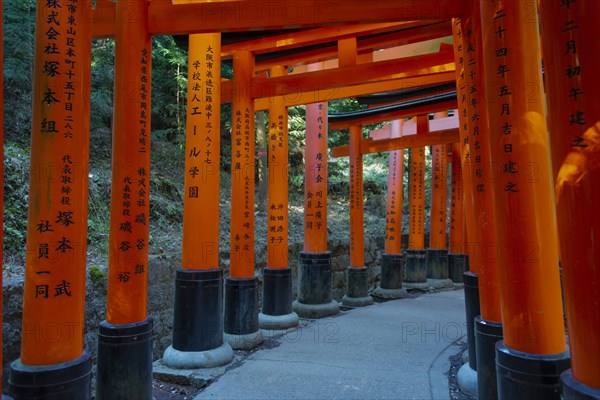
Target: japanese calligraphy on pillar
523, 190
130, 195
393, 217
572, 62
202, 157
357, 229
57, 220
277, 236
315, 184
503, 97
456, 204
439, 174
417, 199
242, 169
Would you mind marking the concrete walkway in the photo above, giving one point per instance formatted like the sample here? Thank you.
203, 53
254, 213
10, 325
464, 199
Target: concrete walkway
393, 350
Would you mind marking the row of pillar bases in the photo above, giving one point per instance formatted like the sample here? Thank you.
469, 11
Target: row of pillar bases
504, 373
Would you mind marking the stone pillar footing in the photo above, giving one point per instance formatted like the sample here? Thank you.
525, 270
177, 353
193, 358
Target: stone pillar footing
529, 376
314, 286
277, 311
392, 273
472, 310
241, 329
458, 264
415, 270
124, 366
487, 333
440, 283
212, 358
357, 294
198, 329
437, 263
67, 380
572, 389
467, 380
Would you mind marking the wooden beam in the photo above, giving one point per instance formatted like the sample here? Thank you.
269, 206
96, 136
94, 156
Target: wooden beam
311, 37
370, 145
165, 18
427, 109
316, 96
379, 42
343, 76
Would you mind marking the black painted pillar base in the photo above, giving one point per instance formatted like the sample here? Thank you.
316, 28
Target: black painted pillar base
277, 311
415, 270
198, 321
67, 380
572, 389
357, 288
458, 264
487, 333
124, 367
392, 273
241, 313
529, 376
472, 309
314, 286
437, 269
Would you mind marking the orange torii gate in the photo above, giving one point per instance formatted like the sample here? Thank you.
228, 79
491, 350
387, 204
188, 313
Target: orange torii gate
531, 315
571, 76
436, 256
360, 146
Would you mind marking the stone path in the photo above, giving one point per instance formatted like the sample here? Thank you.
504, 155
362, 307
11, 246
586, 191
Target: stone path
393, 350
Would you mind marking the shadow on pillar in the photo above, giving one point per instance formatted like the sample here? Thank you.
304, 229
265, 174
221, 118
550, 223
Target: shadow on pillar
241, 313
472, 309
415, 270
68, 380
487, 334
529, 376
572, 389
357, 294
392, 273
198, 321
436, 262
314, 286
277, 311
458, 264
124, 366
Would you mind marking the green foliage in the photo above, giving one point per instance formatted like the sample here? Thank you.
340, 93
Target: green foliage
19, 22
96, 274
16, 195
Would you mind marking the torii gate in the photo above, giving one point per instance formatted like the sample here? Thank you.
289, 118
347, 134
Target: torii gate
514, 131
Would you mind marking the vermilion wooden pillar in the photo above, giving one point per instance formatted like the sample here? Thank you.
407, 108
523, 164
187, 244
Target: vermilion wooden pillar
461, 28
415, 268
488, 325
357, 294
437, 252
314, 271
277, 310
241, 288
125, 338
457, 258
198, 311
572, 62
392, 260
53, 362
534, 335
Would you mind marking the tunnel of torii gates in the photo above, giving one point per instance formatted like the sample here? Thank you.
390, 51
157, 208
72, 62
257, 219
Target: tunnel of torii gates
523, 148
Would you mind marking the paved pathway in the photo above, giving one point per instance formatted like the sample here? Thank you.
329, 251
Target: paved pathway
393, 350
